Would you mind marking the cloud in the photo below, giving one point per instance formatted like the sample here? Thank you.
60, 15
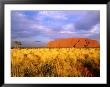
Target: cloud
59, 15
23, 27
37, 41
88, 20
44, 26
68, 27
95, 29
41, 28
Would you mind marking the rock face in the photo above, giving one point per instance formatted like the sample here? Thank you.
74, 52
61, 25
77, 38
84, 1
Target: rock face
74, 42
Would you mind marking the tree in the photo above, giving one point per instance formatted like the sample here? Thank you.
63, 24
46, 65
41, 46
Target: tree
18, 44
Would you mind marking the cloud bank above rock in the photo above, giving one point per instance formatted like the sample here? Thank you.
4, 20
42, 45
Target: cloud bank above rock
44, 26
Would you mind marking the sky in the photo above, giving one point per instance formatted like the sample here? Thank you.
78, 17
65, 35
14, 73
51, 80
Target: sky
35, 28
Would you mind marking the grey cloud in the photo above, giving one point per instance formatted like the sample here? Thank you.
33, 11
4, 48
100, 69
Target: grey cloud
88, 20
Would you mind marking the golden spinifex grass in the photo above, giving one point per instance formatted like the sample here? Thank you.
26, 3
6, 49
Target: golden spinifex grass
55, 62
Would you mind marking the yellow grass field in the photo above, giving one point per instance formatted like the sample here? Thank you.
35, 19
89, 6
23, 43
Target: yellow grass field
55, 62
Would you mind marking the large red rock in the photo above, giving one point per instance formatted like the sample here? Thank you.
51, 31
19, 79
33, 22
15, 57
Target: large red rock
73, 42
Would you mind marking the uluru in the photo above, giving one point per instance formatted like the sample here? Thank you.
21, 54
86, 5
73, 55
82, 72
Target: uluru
74, 42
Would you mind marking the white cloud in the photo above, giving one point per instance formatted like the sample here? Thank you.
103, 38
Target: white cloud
42, 28
95, 29
79, 35
62, 14
53, 14
66, 32
68, 27
18, 14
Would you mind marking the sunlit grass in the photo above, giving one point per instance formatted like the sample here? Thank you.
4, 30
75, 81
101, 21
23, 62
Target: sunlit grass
55, 62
